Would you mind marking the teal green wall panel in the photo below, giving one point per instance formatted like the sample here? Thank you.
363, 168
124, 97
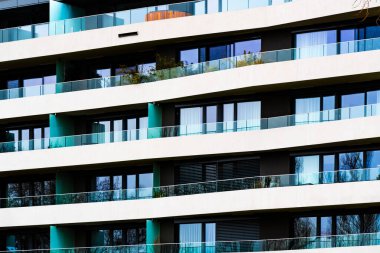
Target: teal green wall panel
60, 11
154, 120
152, 232
156, 175
64, 183
61, 237
61, 125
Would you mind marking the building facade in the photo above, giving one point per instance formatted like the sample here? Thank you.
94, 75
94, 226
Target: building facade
201, 126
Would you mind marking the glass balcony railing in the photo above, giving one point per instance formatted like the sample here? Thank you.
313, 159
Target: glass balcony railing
188, 130
316, 242
196, 69
127, 17
259, 182
9, 4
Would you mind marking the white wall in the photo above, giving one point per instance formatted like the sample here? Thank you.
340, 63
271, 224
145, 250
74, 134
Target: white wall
286, 198
279, 15
340, 68
355, 130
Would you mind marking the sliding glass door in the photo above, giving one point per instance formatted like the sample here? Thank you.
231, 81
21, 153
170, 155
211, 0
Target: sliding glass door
315, 44
191, 120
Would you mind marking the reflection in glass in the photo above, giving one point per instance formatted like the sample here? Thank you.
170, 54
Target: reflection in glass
313, 44
352, 106
191, 120
307, 169
307, 110
248, 116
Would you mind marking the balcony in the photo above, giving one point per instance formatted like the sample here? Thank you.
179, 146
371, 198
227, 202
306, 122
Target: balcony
285, 55
239, 74
354, 125
193, 8
190, 130
262, 182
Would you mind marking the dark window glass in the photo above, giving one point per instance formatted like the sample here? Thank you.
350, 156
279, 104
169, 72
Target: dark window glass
348, 224
305, 227
351, 161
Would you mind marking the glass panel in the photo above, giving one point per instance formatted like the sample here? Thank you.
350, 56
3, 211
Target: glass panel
247, 47
307, 169
117, 187
348, 163
326, 226
132, 128
103, 183
328, 108
329, 167
347, 37
190, 233
352, 100
100, 238
32, 87
104, 74
145, 185
219, 52
118, 237
37, 132
131, 186
211, 119
118, 130
308, 110
305, 227
313, 44
25, 137
248, 116
373, 99
189, 56
229, 117
191, 120
348, 224
212, 6
373, 159
210, 237
143, 128
103, 129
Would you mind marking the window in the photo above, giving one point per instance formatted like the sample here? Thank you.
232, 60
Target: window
353, 105
307, 169
220, 51
20, 139
241, 116
308, 110
313, 44
30, 188
305, 227
191, 120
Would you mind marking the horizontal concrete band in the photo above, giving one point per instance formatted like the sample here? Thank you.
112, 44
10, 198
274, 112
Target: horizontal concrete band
286, 198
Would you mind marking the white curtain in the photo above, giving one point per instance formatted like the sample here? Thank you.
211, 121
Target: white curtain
248, 116
307, 110
315, 44
307, 169
191, 120
190, 238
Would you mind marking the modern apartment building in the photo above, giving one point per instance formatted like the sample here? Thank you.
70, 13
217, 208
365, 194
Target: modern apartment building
205, 126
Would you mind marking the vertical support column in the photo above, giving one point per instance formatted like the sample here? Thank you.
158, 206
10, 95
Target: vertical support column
154, 121
61, 237
152, 236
